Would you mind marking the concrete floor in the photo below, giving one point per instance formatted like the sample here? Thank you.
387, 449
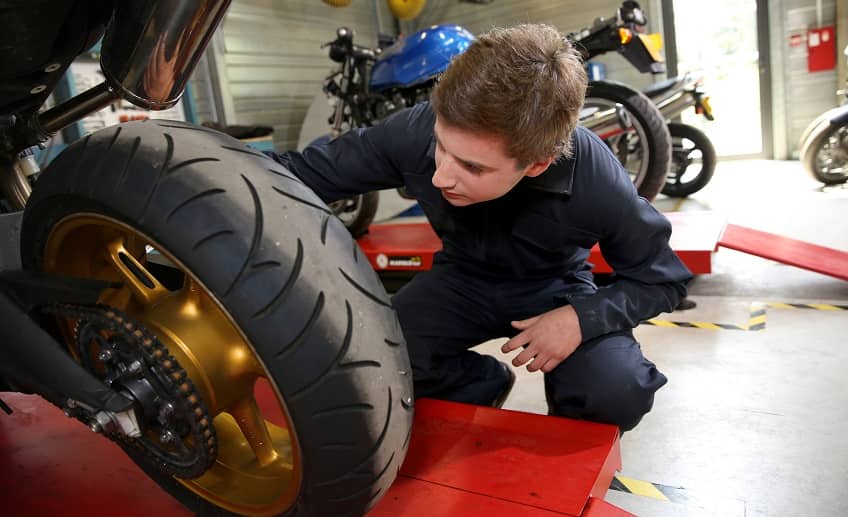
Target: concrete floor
750, 423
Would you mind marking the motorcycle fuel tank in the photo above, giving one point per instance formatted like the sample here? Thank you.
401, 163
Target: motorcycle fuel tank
419, 56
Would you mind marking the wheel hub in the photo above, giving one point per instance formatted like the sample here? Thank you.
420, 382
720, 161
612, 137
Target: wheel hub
177, 431
253, 465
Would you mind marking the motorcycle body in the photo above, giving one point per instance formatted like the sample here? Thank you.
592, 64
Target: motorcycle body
693, 156
824, 144
183, 295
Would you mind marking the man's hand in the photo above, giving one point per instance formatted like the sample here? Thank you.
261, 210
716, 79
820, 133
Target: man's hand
548, 339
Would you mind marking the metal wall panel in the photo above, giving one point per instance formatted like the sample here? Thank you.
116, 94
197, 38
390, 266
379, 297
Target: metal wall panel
201, 91
806, 94
272, 62
565, 15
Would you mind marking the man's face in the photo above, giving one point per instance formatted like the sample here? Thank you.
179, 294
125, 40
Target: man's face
472, 168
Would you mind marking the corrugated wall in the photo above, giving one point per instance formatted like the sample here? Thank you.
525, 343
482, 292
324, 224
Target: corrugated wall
201, 91
565, 15
805, 94
271, 61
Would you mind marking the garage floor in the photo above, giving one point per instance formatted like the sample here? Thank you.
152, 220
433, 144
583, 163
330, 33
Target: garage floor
750, 423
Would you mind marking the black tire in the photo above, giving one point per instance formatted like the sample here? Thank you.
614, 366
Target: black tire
357, 213
649, 135
693, 161
824, 154
285, 272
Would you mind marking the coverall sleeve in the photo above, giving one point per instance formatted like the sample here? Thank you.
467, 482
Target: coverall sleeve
364, 159
648, 276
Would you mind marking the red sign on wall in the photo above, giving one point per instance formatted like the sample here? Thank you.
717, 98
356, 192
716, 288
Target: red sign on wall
821, 49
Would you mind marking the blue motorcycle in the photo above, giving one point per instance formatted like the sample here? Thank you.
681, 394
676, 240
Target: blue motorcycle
372, 83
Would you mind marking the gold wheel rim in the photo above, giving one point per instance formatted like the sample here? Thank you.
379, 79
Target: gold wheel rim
258, 469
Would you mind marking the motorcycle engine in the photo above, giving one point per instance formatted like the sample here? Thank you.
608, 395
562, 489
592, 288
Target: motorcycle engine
386, 107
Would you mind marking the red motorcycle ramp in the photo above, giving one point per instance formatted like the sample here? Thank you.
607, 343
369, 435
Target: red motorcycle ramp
793, 252
463, 461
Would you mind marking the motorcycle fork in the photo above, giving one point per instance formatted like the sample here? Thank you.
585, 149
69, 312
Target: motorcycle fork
14, 179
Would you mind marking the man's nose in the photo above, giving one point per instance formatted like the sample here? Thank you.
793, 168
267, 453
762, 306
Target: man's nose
443, 177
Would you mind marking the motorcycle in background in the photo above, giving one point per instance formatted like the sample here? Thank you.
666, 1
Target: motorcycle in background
640, 138
371, 84
824, 144
693, 156
182, 294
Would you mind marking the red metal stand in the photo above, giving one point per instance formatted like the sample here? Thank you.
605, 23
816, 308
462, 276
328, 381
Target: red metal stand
410, 246
463, 461
695, 236
477, 461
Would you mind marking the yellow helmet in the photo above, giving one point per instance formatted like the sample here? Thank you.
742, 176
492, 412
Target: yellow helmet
406, 9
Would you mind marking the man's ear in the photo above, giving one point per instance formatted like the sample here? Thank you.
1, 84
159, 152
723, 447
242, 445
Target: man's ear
536, 168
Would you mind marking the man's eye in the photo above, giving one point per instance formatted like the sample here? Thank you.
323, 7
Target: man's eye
470, 167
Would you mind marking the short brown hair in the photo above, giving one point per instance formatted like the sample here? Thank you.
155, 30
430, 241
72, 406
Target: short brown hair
524, 83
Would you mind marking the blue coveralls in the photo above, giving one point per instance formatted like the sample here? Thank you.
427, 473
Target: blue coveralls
516, 257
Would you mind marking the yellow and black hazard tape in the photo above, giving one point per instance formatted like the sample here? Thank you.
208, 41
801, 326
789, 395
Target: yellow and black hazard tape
697, 325
756, 321
815, 306
756, 318
652, 490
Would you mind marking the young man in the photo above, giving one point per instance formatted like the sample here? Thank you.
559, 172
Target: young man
518, 195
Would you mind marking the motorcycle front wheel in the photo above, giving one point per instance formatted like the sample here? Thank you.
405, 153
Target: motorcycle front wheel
644, 148
279, 336
824, 153
693, 161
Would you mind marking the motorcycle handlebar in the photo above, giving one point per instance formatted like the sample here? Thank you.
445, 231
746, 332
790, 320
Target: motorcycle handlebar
629, 15
343, 47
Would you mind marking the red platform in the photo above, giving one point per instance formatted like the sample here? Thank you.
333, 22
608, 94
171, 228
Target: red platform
793, 252
410, 246
463, 461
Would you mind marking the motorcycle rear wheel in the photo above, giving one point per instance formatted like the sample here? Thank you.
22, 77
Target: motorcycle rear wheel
645, 148
825, 153
277, 319
693, 161
357, 213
